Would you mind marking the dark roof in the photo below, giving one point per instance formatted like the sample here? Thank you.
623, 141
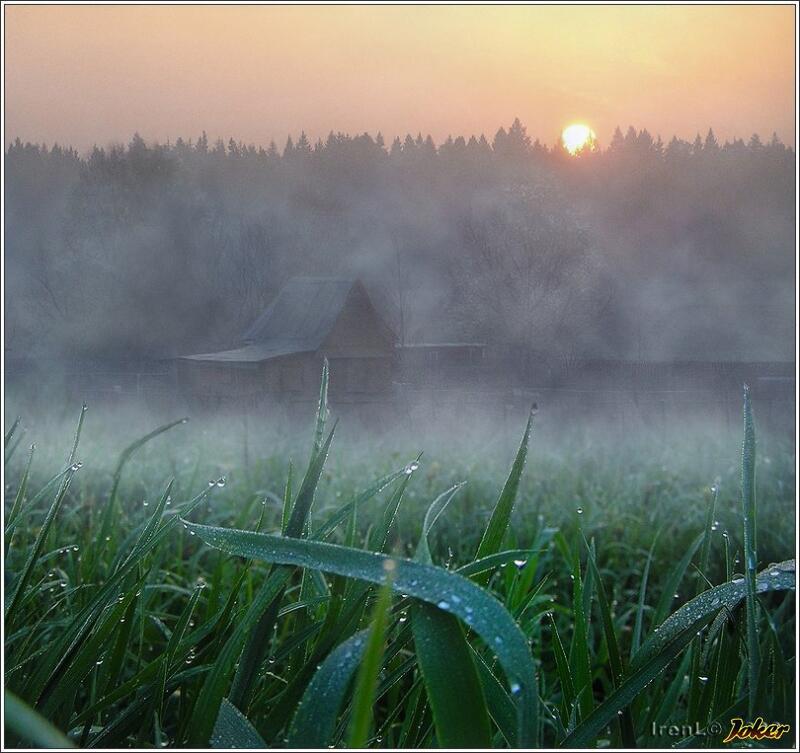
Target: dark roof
297, 321
303, 313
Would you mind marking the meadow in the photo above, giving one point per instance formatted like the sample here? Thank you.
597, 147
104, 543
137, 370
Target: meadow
170, 588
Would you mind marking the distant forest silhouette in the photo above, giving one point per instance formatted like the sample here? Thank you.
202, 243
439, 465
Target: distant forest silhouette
156, 249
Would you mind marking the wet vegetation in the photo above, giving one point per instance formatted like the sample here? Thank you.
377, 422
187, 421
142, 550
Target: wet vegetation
177, 593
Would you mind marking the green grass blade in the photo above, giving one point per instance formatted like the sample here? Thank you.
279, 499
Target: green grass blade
750, 554
499, 704
501, 515
27, 571
10, 433
322, 409
563, 669
20, 495
125, 456
27, 724
257, 642
579, 651
233, 730
287, 499
315, 720
674, 580
305, 496
666, 643
778, 577
206, 707
638, 625
445, 661
442, 588
614, 656
367, 677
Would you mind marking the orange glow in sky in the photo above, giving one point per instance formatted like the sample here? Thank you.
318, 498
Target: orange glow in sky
95, 74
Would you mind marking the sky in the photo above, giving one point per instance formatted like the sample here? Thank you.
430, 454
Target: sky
85, 75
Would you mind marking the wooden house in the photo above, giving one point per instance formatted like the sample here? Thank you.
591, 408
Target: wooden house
280, 356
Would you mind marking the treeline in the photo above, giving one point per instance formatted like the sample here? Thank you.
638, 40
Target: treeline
161, 248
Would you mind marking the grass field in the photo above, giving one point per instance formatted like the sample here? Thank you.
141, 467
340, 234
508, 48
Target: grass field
172, 594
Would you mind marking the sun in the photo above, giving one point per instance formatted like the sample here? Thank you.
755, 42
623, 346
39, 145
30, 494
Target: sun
577, 137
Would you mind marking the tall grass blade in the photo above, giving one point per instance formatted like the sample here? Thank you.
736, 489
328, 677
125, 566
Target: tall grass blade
30, 726
233, 730
367, 677
750, 556
315, 720
125, 456
501, 515
442, 588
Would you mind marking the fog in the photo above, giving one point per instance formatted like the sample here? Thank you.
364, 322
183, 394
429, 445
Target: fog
640, 252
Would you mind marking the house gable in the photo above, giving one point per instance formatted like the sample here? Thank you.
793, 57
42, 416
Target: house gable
359, 331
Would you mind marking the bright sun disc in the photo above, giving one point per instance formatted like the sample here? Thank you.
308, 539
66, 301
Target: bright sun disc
577, 137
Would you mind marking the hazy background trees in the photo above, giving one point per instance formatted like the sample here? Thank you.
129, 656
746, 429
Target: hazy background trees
152, 249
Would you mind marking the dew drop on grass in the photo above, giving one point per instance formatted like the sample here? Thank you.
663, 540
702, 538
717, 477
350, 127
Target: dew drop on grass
145, 503
515, 688
703, 678
411, 467
221, 481
520, 563
579, 511
443, 605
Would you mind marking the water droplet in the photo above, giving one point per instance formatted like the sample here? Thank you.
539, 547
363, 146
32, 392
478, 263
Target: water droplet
520, 563
108, 538
702, 678
724, 534
192, 533
579, 511
498, 640
75, 548
221, 481
211, 483
411, 467
515, 687
774, 573
443, 605
145, 503
76, 466
99, 662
